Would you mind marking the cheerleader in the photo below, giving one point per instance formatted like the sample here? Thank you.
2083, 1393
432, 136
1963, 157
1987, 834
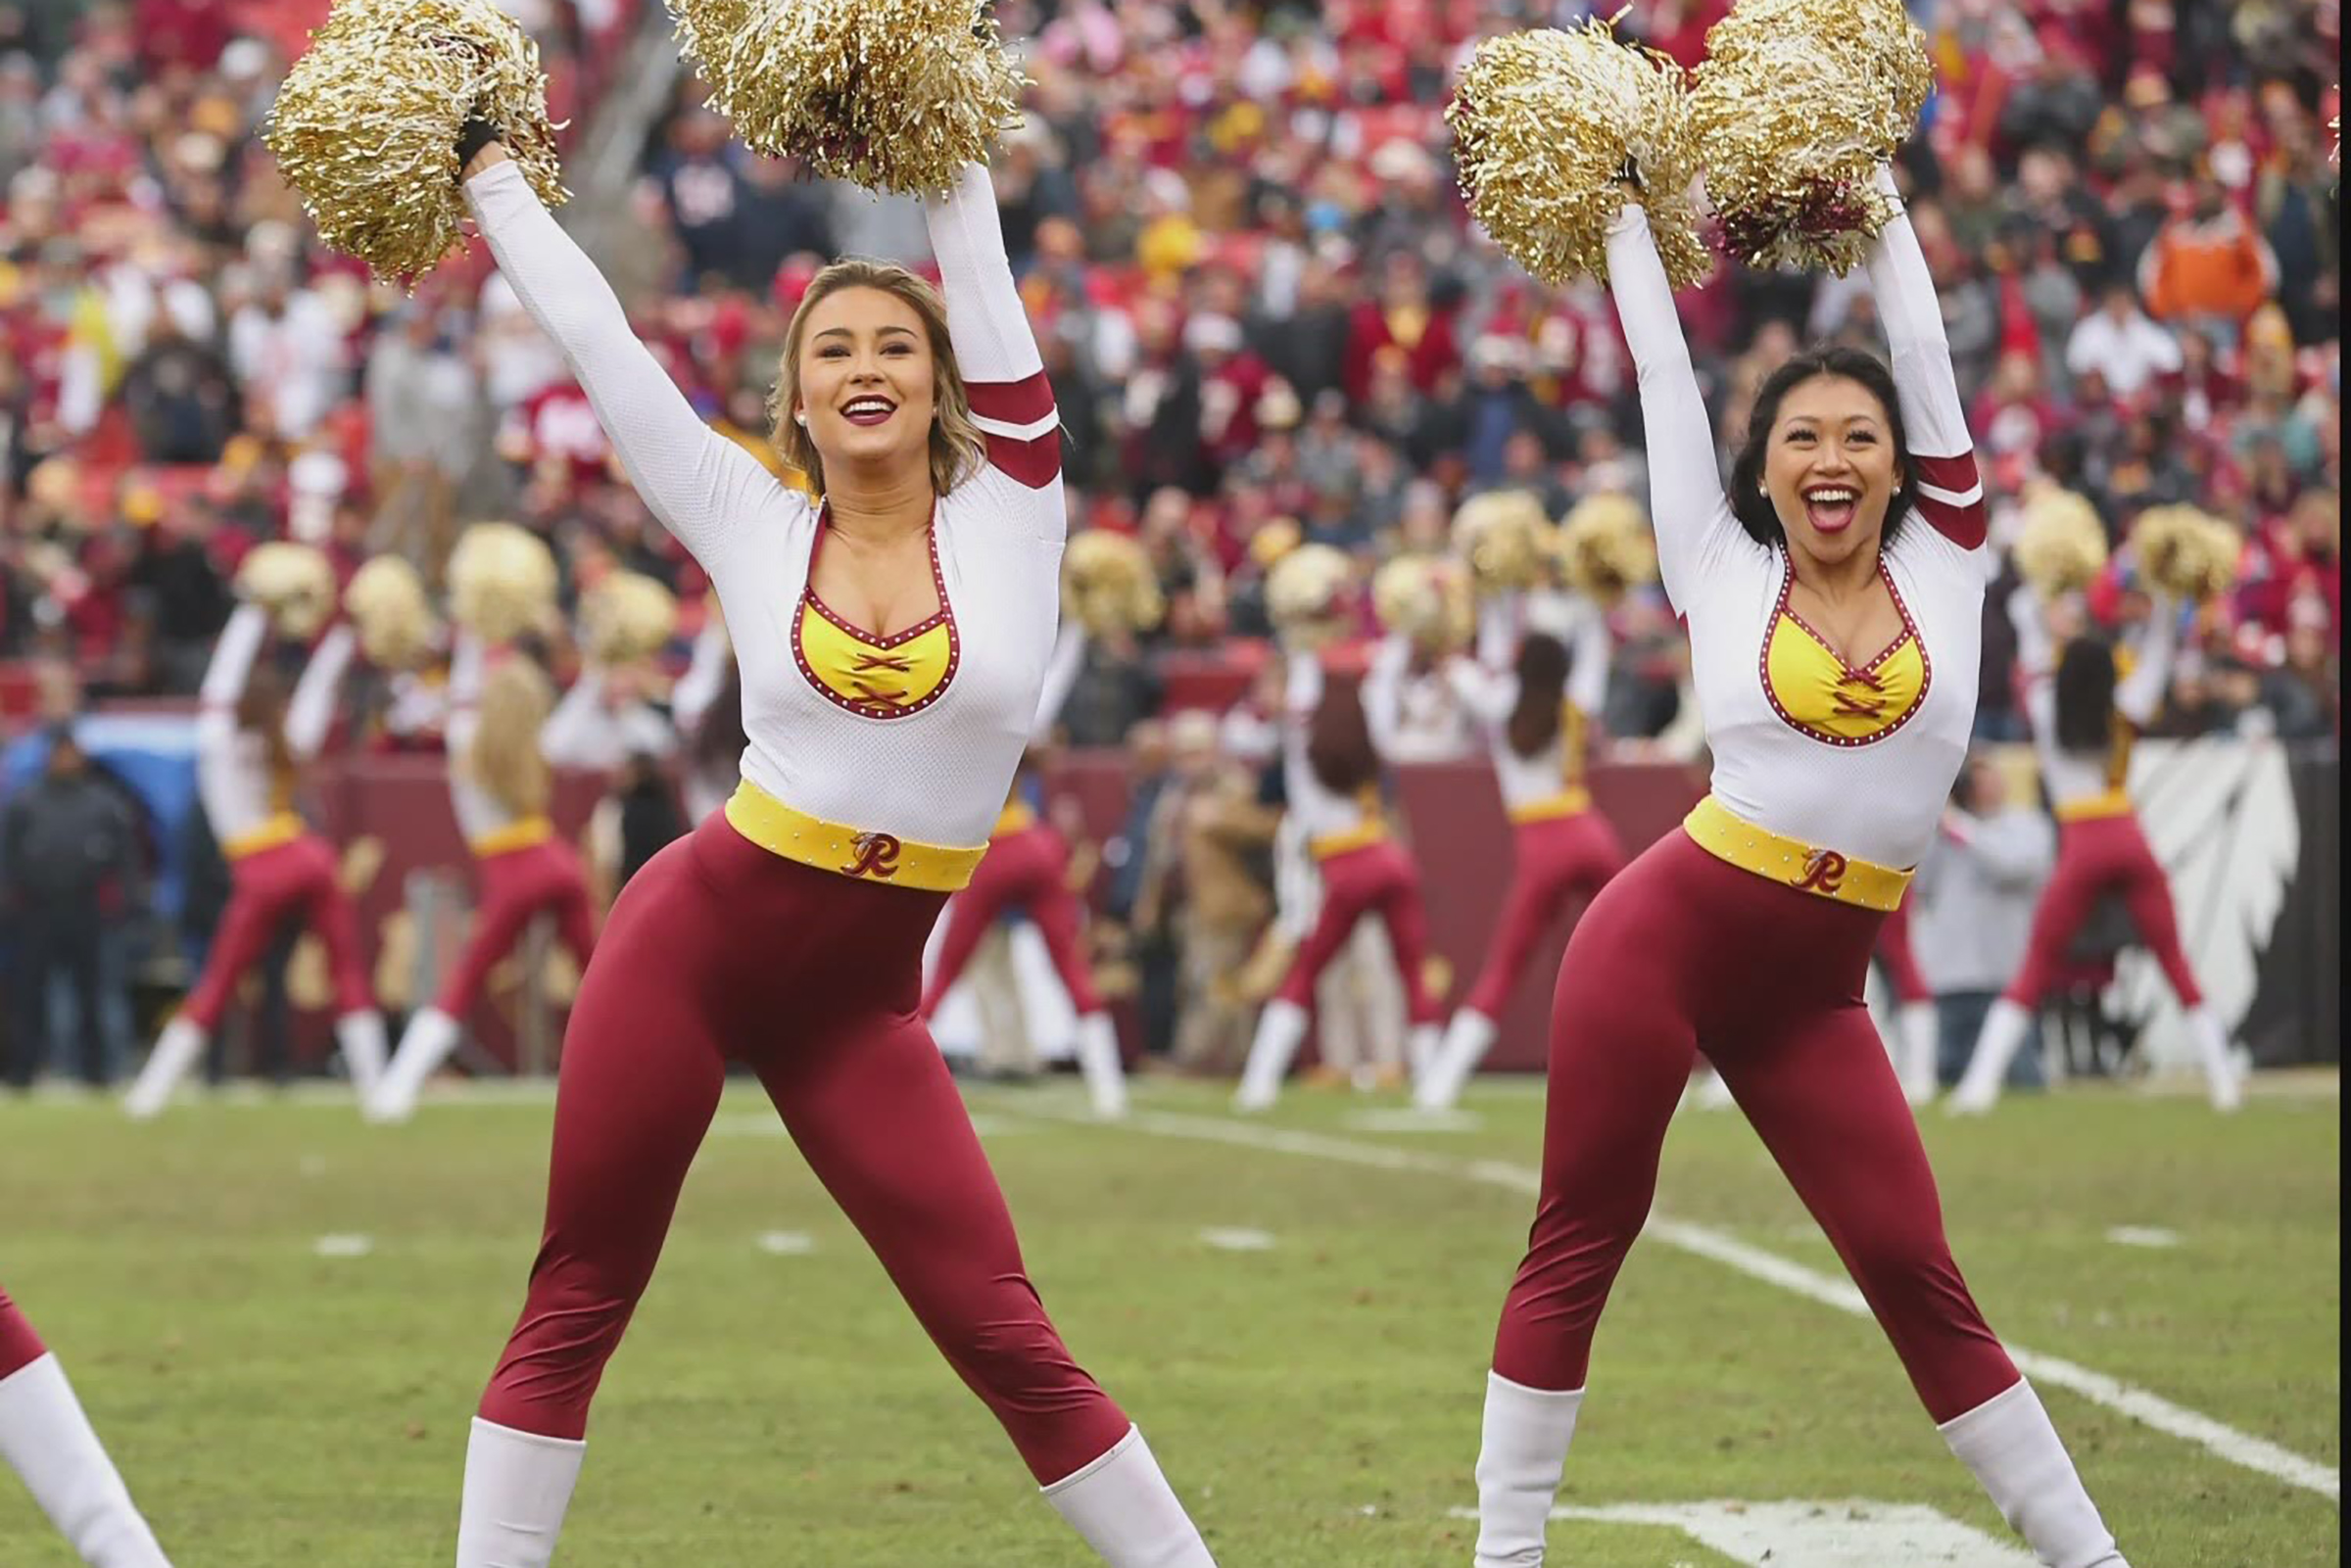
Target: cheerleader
498, 787
252, 741
1537, 717
48, 1441
2083, 720
892, 638
1330, 776
1835, 608
1027, 869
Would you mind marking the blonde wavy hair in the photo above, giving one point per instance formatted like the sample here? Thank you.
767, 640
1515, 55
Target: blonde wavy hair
504, 761
958, 449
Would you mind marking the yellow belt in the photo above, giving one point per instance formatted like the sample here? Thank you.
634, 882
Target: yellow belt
521, 833
2113, 804
1369, 832
281, 828
1014, 818
1572, 801
1807, 868
846, 851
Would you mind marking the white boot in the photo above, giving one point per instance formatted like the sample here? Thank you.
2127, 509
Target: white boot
517, 1487
1519, 1457
426, 1043
2222, 1082
1420, 1050
175, 1051
45, 1437
361, 1036
1467, 1041
2007, 1441
1917, 1025
1978, 1087
1125, 1508
1280, 1030
1098, 1061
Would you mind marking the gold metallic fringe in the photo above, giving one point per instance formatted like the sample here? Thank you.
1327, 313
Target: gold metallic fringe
2062, 544
1505, 537
626, 617
501, 582
2186, 550
387, 604
1306, 594
1543, 125
1795, 105
1606, 546
1108, 584
894, 95
1427, 598
365, 125
293, 582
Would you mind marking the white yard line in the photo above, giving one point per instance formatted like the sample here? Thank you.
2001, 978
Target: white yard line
2240, 1448
1854, 1534
1230, 1239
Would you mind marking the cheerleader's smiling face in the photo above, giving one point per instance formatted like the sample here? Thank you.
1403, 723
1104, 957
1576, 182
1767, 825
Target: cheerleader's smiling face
1831, 468
868, 382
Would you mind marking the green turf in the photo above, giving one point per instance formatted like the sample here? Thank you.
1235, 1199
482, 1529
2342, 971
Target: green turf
1316, 1403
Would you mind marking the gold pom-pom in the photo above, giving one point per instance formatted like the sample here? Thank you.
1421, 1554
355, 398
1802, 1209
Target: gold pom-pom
1545, 123
2186, 551
1606, 546
626, 617
2062, 546
894, 95
1796, 104
1427, 598
1306, 594
1107, 584
294, 583
1505, 537
366, 123
501, 582
387, 603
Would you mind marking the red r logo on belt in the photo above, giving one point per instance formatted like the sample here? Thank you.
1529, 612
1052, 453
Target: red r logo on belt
1824, 869
877, 856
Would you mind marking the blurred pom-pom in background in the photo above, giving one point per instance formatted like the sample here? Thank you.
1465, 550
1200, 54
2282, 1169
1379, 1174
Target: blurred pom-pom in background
501, 582
1606, 546
387, 604
2186, 550
294, 583
1426, 598
1107, 584
1306, 594
626, 617
1505, 537
2062, 544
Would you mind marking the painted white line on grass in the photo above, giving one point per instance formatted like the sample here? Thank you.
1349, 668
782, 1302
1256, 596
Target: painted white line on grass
787, 1243
1814, 1535
746, 1125
343, 1246
2143, 1236
2240, 1448
1238, 1240
1416, 1122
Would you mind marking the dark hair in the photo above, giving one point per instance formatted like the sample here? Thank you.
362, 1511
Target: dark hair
2086, 678
1338, 743
1749, 504
718, 734
1534, 723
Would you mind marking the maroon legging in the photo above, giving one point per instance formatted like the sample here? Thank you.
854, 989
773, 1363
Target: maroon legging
1557, 858
1901, 968
19, 1345
516, 884
1028, 869
1378, 879
264, 887
1681, 947
719, 950
2095, 856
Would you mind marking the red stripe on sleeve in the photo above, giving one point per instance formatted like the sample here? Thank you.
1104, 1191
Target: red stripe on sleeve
1964, 526
1014, 402
1034, 463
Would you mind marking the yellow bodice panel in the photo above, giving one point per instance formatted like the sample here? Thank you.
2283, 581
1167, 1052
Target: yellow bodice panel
1816, 690
886, 678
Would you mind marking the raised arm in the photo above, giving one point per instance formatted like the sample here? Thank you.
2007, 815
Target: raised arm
1486, 691
1696, 530
705, 673
1383, 690
2138, 696
466, 657
1589, 651
996, 347
1062, 668
232, 665
701, 484
2036, 649
1951, 495
570, 737
310, 711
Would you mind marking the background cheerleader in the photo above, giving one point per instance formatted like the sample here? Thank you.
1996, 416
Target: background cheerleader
251, 741
46, 1438
2084, 721
1330, 774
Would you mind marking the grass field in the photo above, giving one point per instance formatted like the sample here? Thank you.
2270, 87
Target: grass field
1314, 1396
